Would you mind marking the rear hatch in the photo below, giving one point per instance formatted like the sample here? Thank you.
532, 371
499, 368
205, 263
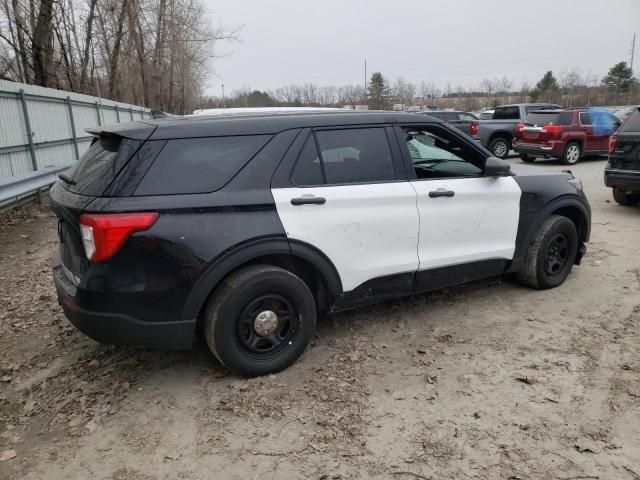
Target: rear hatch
625, 151
544, 126
88, 179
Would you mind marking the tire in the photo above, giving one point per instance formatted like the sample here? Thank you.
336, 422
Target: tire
542, 269
527, 158
499, 147
572, 153
231, 326
626, 199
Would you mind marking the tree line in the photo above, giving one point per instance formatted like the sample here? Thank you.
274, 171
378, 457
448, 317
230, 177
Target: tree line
158, 53
570, 88
147, 52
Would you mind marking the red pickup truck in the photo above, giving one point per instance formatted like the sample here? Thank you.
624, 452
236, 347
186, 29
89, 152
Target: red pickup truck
565, 134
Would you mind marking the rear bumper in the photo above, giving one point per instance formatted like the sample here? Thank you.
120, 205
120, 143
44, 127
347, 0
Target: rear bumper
539, 150
623, 179
116, 328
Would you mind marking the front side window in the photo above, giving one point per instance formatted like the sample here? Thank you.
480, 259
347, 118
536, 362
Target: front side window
435, 154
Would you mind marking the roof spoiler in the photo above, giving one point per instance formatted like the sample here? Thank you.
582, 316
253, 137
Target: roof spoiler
160, 114
133, 130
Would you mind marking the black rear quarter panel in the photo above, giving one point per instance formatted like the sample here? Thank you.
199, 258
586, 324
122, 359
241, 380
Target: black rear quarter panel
152, 275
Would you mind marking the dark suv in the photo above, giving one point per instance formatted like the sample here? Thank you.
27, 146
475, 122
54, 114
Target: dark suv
247, 226
622, 172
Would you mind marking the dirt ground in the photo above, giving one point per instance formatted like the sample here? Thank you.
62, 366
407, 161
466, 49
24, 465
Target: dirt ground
490, 380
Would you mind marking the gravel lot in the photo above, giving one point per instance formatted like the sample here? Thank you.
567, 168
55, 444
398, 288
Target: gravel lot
489, 380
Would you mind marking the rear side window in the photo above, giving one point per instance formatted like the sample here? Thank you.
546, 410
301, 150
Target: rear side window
632, 124
199, 165
506, 113
308, 170
100, 164
355, 155
544, 119
585, 118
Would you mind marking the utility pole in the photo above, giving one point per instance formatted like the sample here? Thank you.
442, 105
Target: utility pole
633, 51
224, 105
365, 80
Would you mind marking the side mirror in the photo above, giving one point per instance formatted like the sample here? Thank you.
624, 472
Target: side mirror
494, 167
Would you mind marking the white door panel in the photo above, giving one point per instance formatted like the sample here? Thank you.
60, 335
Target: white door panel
367, 231
479, 222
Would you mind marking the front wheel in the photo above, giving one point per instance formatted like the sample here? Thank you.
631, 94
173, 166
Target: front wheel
624, 198
260, 320
551, 254
572, 154
500, 147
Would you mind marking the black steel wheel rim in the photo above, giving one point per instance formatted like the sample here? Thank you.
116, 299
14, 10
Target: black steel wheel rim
557, 254
265, 346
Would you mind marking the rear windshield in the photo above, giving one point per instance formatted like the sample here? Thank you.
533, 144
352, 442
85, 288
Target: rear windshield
632, 124
543, 119
446, 116
506, 113
100, 164
199, 165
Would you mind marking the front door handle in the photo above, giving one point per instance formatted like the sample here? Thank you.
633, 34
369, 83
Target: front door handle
310, 200
441, 192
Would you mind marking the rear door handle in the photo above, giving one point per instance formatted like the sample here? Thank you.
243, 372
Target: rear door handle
310, 200
441, 192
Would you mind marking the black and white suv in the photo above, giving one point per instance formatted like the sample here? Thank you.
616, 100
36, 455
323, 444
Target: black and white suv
249, 225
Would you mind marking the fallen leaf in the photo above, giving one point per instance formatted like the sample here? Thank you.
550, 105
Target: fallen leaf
586, 447
220, 373
527, 380
7, 455
172, 455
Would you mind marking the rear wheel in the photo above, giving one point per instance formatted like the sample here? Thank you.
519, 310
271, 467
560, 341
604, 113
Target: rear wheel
572, 153
624, 198
500, 147
551, 254
260, 320
527, 158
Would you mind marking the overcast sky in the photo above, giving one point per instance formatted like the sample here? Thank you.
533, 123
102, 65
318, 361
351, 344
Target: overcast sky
457, 41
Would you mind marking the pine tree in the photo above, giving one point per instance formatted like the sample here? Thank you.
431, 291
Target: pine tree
546, 88
378, 90
620, 79
547, 82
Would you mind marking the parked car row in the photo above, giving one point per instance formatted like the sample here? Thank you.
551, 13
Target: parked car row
540, 130
565, 134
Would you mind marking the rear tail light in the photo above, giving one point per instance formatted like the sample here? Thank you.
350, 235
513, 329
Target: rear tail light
104, 234
474, 128
519, 127
612, 144
553, 130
